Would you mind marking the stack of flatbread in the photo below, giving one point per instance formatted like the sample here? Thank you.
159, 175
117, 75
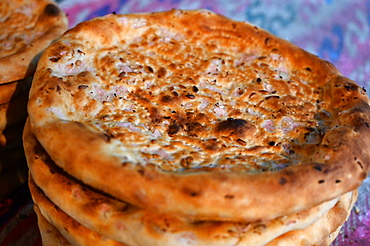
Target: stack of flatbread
188, 128
27, 27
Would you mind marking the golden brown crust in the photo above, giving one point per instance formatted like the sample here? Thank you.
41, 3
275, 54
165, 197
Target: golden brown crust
323, 231
289, 109
50, 235
74, 232
134, 226
27, 28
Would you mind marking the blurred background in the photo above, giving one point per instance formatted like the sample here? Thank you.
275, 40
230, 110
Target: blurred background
336, 30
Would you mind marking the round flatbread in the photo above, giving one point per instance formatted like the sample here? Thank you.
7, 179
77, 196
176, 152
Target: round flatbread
225, 120
73, 231
80, 235
134, 226
323, 231
27, 27
14, 89
50, 235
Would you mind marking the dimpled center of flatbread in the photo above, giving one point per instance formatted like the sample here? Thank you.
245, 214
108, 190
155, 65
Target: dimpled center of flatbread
194, 101
17, 25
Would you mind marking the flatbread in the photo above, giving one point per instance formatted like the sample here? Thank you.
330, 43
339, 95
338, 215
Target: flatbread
49, 234
225, 120
75, 232
134, 226
13, 89
323, 231
27, 27
14, 111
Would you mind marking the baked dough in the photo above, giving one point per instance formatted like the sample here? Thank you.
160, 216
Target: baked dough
50, 235
323, 231
74, 232
126, 223
310, 236
212, 119
27, 27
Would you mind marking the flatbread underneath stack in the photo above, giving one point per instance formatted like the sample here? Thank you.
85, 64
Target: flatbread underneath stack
322, 232
49, 234
139, 227
73, 231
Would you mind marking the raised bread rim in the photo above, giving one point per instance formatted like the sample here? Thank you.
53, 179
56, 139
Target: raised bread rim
213, 195
73, 231
324, 231
103, 214
50, 235
321, 232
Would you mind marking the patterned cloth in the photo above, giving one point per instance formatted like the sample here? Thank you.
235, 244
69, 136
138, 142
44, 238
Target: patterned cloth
336, 30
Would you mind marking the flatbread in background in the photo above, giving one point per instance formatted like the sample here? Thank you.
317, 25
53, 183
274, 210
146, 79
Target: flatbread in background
225, 120
134, 226
49, 234
27, 27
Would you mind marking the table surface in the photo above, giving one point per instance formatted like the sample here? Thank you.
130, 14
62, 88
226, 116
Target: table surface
335, 30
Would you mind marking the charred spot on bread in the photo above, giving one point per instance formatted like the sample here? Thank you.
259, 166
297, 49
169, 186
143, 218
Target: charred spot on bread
235, 129
282, 181
193, 128
51, 10
173, 129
